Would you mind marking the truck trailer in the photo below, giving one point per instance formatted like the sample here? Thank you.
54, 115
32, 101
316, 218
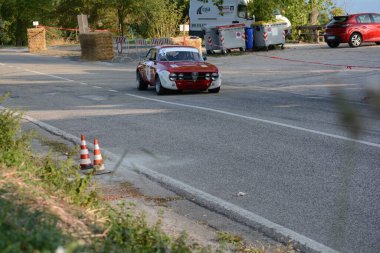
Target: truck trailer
205, 13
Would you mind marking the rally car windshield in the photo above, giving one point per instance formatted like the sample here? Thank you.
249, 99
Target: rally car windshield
180, 56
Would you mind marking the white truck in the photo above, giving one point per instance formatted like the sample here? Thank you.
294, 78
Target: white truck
205, 13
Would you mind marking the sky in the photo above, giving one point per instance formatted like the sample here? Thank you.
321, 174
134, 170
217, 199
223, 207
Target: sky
357, 6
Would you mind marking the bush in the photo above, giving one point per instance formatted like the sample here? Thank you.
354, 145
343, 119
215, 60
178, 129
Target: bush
13, 145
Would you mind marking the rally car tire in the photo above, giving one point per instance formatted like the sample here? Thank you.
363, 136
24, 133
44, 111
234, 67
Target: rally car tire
159, 89
141, 85
216, 90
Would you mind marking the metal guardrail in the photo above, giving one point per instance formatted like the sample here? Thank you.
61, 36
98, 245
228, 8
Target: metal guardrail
135, 49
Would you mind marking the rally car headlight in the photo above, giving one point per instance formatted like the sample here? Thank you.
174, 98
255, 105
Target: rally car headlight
172, 76
180, 76
214, 76
207, 76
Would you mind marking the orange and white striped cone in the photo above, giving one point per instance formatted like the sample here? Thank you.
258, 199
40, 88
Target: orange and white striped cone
98, 160
85, 162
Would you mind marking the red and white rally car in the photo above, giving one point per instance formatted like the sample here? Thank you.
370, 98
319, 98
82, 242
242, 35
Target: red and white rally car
177, 68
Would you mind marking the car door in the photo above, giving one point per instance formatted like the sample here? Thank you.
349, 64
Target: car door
365, 27
150, 70
376, 24
149, 63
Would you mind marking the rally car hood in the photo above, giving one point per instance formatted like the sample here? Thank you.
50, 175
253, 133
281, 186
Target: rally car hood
188, 66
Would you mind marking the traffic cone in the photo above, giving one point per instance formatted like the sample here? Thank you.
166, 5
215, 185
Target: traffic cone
85, 162
98, 160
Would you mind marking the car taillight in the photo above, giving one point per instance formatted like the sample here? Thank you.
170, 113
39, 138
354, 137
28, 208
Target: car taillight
172, 76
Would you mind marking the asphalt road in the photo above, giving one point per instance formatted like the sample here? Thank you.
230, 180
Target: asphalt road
274, 131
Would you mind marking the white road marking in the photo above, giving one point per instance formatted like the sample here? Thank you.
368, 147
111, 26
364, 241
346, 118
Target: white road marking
97, 87
236, 115
83, 83
54, 76
260, 120
113, 90
200, 197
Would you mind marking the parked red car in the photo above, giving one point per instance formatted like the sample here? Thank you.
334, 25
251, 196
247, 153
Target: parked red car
353, 29
177, 68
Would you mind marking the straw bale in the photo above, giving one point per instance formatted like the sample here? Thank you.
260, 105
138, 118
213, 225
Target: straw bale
190, 41
36, 39
96, 46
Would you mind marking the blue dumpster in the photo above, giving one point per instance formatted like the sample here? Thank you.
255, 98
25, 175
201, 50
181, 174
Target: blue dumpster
249, 38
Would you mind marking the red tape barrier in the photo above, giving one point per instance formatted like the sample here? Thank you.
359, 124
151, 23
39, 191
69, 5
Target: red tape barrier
320, 63
70, 29
58, 28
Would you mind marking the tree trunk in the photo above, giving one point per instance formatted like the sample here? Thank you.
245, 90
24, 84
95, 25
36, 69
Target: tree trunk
314, 13
313, 19
120, 15
20, 32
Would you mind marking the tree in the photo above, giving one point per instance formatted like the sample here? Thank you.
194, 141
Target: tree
122, 8
336, 11
315, 8
184, 5
21, 13
157, 18
263, 9
67, 11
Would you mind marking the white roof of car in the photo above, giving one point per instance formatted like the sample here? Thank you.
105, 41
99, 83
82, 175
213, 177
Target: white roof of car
179, 49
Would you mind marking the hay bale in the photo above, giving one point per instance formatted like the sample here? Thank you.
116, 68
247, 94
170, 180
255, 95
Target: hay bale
96, 46
36, 39
190, 41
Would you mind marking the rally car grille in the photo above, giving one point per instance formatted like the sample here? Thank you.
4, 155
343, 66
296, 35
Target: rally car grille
195, 76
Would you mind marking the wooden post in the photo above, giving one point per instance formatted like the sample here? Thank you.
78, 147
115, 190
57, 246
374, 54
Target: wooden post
317, 32
184, 35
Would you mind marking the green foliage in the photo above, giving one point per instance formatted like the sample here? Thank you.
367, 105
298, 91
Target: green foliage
323, 18
225, 237
122, 9
158, 18
131, 233
13, 145
26, 230
21, 14
6, 37
67, 11
63, 176
337, 11
145, 18
183, 5
263, 9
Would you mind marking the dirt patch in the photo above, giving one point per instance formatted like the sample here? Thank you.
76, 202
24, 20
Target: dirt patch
156, 209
